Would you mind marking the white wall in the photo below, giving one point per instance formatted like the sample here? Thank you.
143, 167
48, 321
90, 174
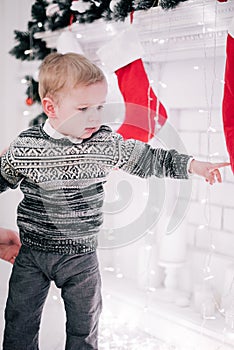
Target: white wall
193, 98
196, 96
14, 16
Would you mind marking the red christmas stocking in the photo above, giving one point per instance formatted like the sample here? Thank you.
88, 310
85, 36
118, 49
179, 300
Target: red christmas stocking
228, 96
144, 114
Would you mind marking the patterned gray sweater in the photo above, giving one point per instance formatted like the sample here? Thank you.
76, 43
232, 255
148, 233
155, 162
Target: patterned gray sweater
62, 183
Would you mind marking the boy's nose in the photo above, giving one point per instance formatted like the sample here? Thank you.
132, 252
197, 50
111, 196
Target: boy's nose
95, 115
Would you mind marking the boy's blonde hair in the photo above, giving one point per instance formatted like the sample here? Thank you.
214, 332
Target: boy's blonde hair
62, 72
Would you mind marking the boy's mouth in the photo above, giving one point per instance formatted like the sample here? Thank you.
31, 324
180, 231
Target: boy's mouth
90, 129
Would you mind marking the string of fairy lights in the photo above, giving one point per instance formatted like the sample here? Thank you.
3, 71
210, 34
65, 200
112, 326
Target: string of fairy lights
207, 308
211, 306
150, 248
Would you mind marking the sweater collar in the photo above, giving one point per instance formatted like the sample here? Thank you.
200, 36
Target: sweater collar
57, 135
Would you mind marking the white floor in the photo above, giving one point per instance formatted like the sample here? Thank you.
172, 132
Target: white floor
126, 322
114, 333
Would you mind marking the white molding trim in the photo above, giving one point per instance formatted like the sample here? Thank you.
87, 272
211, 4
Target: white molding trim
184, 32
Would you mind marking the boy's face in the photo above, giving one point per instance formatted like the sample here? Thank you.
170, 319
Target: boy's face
78, 113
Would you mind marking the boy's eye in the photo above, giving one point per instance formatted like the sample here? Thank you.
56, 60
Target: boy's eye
82, 109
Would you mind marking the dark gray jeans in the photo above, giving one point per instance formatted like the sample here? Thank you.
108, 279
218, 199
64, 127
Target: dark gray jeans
79, 279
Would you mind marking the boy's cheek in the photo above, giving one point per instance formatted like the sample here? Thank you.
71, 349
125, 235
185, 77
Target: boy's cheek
72, 126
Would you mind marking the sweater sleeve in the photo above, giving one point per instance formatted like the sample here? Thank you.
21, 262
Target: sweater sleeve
9, 177
140, 159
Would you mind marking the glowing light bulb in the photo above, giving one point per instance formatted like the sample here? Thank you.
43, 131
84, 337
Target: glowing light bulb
204, 200
207, 278
119, 275
207, 269
211, 129
109, 269
27, 52
96, 3
201, 227
150, 233
163, 85
214, 154
109, 28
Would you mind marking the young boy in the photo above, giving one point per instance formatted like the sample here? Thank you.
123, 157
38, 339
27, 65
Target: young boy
61, 167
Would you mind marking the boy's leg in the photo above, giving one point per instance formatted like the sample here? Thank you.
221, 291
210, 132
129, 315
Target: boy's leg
81, 291
28, 288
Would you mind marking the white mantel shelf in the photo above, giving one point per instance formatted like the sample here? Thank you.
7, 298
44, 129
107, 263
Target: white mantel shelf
195, 28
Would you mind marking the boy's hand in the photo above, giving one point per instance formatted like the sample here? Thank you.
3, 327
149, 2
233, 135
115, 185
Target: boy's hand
9, 245
210, 171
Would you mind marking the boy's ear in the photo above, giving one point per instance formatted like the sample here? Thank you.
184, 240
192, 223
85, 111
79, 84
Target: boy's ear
48, 107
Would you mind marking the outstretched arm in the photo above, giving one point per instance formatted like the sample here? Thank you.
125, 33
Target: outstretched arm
138, 158
9, 245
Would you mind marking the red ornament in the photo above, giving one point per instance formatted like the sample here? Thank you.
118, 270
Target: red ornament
29, 101
222, 0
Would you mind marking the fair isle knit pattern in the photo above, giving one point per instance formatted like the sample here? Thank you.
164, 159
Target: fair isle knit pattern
62, 183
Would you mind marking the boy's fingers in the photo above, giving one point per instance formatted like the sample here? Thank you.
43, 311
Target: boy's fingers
15, 240
218, 165
217, 175
213, 175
